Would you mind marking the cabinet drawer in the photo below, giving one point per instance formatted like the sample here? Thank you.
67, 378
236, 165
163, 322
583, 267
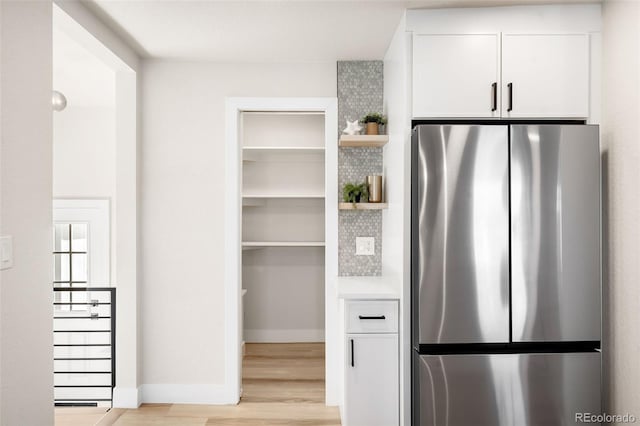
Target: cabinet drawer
372, 316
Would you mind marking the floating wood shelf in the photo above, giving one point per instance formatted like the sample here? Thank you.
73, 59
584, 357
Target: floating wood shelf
362, 206
363, 141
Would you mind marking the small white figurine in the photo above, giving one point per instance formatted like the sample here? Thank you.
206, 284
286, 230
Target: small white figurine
353, 128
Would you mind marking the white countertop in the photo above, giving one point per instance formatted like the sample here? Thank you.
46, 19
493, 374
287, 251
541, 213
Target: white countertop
368, 287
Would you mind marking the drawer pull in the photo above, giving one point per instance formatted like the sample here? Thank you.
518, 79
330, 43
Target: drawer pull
494, 96
379, 317
352, 363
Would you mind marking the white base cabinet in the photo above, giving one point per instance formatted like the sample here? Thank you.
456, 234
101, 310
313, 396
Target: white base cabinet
371, 390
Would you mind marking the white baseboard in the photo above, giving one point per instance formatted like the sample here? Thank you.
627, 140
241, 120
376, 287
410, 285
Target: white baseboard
126, 397
186, 394
284, 336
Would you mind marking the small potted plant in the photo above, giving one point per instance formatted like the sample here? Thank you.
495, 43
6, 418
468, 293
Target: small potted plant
355, 193
372, 121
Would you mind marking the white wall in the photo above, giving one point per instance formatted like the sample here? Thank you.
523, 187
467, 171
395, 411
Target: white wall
285, 294
84, 158
26, 351
183, 174
84, 152
396, 219
621, 156
73, 18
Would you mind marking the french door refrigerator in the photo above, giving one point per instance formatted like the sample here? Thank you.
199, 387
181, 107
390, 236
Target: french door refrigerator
506, 274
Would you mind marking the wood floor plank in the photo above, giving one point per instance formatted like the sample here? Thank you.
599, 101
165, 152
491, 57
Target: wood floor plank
285, 350
151, 410
283, 385
79, 416
110, 418
251, 410
307, 391
272, 422
129, 419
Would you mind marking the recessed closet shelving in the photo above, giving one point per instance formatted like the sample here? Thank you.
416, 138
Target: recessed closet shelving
283, 223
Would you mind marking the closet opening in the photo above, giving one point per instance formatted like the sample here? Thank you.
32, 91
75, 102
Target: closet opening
283, 256
281, 250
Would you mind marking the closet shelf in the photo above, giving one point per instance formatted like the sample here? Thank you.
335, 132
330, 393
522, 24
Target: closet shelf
260, 244
362, 206
285, 149
363, 141
282, 196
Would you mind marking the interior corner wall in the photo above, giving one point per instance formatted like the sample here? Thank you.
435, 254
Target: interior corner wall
621, 199
360, 91
183, 213
75, 19
26, 327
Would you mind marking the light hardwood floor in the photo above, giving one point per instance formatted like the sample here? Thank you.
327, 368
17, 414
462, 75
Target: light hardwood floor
283, 384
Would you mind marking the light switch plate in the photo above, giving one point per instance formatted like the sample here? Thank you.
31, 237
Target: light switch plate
365, 246
6, 252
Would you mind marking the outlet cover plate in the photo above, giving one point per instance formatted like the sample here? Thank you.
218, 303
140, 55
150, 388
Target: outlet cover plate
6, 252
365, 246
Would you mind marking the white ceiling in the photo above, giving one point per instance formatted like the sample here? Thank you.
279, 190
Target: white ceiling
267, 30
79, 75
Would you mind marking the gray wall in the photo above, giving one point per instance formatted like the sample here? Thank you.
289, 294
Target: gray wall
360, 91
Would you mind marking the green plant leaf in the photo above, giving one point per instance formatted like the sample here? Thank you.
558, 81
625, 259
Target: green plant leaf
374, 117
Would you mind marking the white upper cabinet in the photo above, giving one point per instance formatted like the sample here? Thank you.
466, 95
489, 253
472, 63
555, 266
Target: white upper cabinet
456, 75
548, 74
476, 76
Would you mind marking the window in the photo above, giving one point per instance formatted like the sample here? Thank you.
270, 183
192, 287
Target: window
80, 248
69, 259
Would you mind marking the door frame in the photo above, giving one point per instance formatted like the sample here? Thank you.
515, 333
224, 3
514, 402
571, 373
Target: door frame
233, 234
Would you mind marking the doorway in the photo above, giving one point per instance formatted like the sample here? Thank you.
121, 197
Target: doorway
281, 234
95, 149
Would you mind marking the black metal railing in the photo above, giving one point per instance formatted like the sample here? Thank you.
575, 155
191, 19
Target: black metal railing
84, 345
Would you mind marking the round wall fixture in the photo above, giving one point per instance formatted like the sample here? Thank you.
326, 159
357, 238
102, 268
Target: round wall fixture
58, 100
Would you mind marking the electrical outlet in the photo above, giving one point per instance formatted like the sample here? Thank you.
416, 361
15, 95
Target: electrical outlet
6, 252
365, 246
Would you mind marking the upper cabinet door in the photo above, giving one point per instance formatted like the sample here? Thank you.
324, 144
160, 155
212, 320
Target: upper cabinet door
456, 75
545, 75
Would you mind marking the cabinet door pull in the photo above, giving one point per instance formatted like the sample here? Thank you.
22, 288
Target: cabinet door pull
364, 317
510, 86
494, 96
352, 363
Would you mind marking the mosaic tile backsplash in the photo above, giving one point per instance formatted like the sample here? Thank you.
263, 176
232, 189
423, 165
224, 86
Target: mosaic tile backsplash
360, 91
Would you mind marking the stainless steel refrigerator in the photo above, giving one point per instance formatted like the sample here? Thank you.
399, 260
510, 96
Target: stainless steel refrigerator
506, 274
